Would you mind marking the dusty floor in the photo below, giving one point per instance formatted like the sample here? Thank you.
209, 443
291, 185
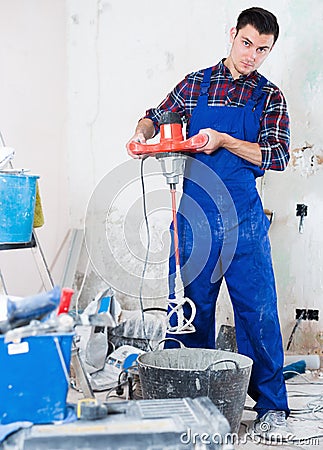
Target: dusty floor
306, 419
305, 393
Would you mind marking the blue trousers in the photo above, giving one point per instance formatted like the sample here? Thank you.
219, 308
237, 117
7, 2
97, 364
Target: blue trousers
251, 286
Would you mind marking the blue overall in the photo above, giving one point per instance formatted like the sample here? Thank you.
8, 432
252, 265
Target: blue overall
223, 233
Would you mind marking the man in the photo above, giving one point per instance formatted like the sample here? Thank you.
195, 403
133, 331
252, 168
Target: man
245, 117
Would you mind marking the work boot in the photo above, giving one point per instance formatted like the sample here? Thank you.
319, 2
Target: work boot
273, 427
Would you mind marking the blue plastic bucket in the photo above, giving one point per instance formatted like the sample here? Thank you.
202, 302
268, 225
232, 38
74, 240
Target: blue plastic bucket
17, 206
34, 378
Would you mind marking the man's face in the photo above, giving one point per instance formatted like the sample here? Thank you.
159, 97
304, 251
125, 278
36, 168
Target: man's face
249, 50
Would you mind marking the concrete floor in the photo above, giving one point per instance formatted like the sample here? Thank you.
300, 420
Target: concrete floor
303, 391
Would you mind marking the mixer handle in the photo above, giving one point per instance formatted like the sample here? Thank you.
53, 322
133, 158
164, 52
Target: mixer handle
168, 145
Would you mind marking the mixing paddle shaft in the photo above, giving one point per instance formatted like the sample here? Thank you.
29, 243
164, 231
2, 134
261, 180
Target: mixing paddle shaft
175, 306
176, 249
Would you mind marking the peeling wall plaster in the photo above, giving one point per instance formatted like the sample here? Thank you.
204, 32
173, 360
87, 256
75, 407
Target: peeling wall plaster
306, 160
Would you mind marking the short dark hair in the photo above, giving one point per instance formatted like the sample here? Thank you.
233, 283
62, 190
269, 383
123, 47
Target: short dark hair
262, 20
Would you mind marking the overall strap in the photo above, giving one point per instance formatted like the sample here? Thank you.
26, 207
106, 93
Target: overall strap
205, 85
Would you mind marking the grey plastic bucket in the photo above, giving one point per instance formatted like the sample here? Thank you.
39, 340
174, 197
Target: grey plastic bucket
194, 372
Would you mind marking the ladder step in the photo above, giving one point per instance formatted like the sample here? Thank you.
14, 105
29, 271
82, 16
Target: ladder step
20, 245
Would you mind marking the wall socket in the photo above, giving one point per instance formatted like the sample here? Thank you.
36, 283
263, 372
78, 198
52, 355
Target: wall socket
307, 314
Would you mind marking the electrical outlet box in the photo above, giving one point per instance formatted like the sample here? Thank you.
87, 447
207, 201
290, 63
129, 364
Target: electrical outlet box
312, 314
301, 312
307, 314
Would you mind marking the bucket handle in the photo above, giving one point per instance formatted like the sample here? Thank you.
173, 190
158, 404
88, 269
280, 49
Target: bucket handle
169, 339
62, 360
221, 361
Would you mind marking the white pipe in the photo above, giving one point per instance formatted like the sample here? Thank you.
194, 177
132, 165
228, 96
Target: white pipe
312, 361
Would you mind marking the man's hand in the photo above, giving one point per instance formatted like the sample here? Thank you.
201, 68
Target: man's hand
215, 140
137, 137
244, 149
145, 130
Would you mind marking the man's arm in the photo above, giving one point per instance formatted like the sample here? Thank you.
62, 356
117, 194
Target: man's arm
144, 130
249, 151
272, 149
148, 126
274, 137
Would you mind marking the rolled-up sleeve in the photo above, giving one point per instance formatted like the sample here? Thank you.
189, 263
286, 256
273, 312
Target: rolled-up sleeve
274, 137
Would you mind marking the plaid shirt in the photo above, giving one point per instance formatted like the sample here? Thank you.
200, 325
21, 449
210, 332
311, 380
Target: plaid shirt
274, 132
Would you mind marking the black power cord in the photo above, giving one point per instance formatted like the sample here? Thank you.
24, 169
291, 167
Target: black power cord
144, 204
128, 380
290, 340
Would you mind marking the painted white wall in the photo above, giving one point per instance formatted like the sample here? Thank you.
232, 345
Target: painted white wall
32, 120
121, 57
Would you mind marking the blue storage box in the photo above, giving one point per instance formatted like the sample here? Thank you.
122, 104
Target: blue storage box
34, 378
